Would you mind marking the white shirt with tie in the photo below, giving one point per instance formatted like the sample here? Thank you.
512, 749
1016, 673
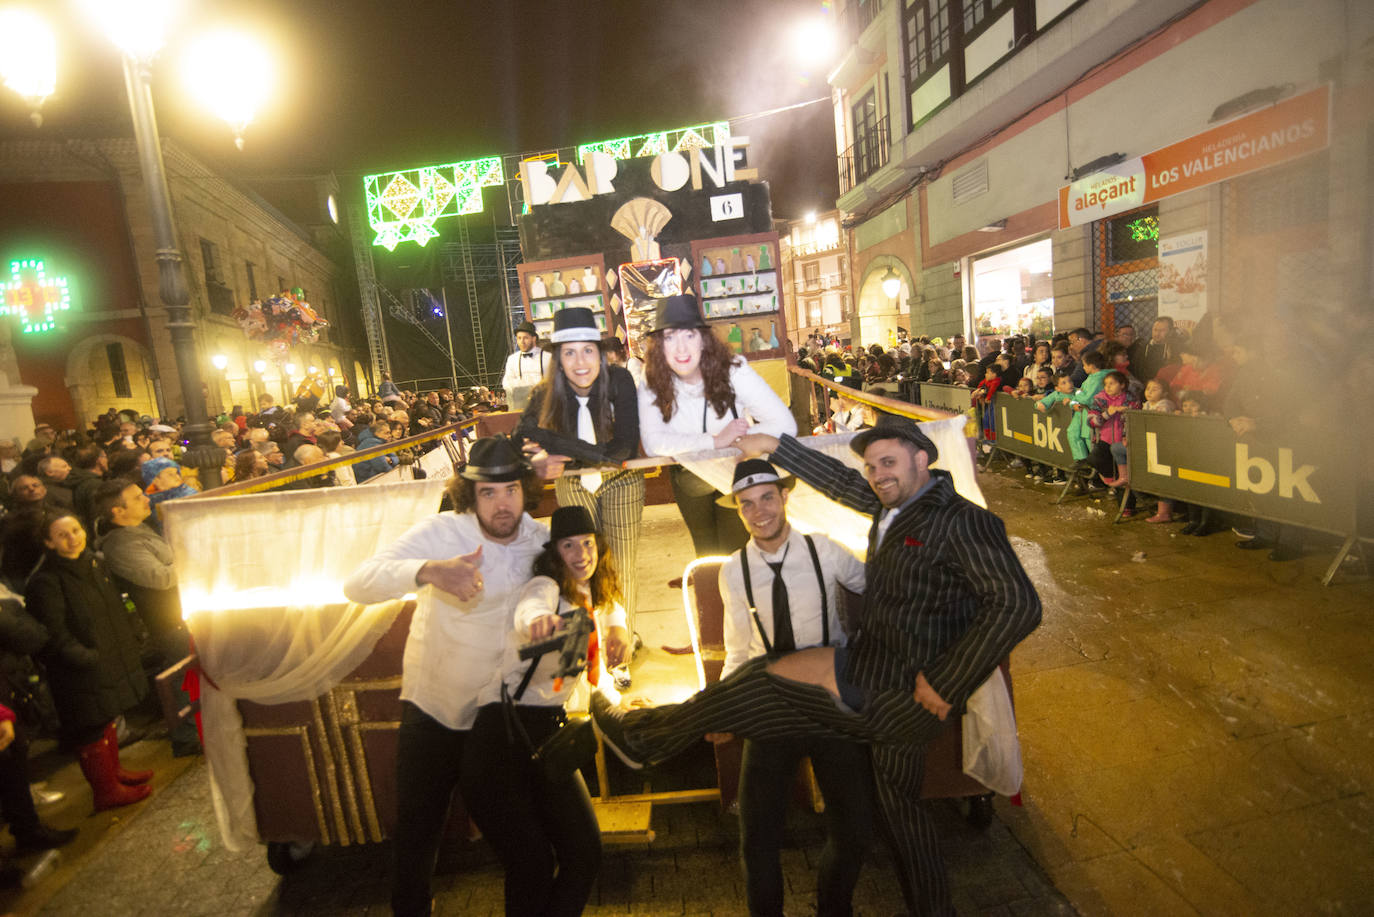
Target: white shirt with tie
523, 372
838, 567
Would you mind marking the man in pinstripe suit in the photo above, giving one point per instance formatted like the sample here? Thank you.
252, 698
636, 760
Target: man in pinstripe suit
946, 600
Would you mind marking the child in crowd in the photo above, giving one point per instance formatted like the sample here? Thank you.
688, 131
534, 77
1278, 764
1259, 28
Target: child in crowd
983, 397
162, 481
1107, 415
1044, 381
1194, 404
1063, 393
958, 374
1157, 400
1024, 388
1080, 433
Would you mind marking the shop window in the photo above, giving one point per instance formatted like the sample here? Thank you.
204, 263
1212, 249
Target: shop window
119, 370
252, 281
1013, 292
1126, 270
219, 294
813, 311
811, 274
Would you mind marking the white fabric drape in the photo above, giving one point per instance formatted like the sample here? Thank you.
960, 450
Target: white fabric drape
811, 511
261, 578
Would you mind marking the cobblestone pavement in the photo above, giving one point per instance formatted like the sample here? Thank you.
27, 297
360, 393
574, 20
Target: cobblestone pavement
169, 860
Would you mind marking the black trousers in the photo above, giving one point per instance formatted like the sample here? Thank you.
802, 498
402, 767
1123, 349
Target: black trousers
16, 803
767, 776
544, 831
714, 529
754, 704
428, 758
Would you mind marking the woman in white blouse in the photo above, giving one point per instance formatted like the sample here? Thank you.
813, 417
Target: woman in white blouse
698, 396
544, 830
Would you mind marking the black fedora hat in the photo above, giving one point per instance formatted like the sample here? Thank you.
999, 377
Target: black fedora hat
494, 460
680, 311
750, 473
527, 327
572, 325
568, 522
891, 426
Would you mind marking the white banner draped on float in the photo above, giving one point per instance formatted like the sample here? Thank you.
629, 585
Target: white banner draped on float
261, 579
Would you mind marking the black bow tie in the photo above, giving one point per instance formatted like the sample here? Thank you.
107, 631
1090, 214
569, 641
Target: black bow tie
527, 355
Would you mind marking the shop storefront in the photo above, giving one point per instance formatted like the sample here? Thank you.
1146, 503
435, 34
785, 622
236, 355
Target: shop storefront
1011, 292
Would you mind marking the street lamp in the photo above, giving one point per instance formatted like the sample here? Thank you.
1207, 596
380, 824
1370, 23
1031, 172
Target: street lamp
220, 362
892, 284
28, 64
259, 366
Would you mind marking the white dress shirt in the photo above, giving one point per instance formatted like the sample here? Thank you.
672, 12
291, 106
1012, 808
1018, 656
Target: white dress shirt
539, 597
526, 370
454, 648
755, 400
838, 566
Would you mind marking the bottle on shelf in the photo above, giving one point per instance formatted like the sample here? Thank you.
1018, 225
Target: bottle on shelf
588, 280
735, 338
558, 288
735, 266
537, 288
749, 264
773, 333
765, 260
720, 266
705, 268
574, 286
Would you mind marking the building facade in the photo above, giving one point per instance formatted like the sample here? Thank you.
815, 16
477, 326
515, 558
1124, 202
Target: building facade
77, 249
815, 263
1037, 165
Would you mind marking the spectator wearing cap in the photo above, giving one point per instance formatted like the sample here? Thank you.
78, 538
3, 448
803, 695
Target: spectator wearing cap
525, 368
585, 414
43, 436
474, 560
945, 598
698, 395
781, 593
162, 481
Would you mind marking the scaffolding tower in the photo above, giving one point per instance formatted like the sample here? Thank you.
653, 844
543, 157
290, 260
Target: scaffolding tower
372, 307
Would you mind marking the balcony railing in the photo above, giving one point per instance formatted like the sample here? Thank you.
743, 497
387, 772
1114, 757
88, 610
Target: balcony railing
866, 156
857, 15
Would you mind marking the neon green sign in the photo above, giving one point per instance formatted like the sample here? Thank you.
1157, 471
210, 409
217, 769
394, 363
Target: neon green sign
1145, 229
34, 298
403, 206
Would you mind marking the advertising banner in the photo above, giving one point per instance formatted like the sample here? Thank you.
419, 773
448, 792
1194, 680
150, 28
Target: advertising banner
1040, 436
1282, 132
1183, 277
956, 399
1304, 481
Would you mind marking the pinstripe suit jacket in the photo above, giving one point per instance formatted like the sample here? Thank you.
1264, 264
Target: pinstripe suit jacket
945, 593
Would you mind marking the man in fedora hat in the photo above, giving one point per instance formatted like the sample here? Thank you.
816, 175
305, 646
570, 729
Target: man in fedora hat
466, 568
780, 593
945, 601
525, 368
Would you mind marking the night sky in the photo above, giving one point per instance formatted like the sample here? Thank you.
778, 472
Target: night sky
379, 86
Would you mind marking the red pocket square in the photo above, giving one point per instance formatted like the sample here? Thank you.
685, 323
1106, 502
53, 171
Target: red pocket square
913, 543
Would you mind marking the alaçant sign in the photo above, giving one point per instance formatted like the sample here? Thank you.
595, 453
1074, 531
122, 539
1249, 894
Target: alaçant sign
1278, 134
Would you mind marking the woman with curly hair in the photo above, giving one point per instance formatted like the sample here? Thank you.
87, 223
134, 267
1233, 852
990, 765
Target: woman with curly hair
543, 827
697, 396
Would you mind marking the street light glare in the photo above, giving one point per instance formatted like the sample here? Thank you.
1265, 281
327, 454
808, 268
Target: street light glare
813, 41
231, 74
28, 55
138, 27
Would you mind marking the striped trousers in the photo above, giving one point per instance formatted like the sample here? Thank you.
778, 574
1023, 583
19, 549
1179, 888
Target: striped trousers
754, 704
616, 509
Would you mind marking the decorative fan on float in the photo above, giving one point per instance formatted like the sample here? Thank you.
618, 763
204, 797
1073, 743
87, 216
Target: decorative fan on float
639, 220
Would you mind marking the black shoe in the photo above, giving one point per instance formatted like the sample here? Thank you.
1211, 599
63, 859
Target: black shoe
610, 722
1191, 528
42, 838
1255, 544
1283, 552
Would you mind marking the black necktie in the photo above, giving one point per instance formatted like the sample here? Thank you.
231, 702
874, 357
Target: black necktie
783, 641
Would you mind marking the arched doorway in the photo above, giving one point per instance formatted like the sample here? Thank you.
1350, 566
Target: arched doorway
880, 315
110, 370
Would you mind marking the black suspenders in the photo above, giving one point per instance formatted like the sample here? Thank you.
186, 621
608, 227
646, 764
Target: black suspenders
820, 582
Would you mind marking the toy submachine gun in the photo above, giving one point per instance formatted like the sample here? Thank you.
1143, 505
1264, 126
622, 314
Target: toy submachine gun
570, 643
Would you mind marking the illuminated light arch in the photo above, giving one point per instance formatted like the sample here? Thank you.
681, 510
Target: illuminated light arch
34, 298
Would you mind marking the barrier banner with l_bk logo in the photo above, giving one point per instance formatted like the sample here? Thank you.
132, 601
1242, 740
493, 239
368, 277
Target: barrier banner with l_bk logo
1300, 480
1040, 436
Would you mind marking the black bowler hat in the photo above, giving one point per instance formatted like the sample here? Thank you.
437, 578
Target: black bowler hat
680, 311
494, 460
750, 473
570, 521
572, 325
891, 426
527, 327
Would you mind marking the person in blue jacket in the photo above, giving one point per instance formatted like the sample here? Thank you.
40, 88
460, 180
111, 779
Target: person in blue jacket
375, 435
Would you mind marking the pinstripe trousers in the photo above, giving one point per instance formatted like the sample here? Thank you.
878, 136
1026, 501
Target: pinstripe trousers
754, 704
616, 509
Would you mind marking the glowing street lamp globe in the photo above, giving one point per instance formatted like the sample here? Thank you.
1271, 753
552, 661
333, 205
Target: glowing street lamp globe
892, 284
219, 361
137, 27
231, 75
28, 58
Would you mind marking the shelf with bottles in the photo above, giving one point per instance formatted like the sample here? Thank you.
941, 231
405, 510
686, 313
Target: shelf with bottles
545, 308
717, 307
753, 337
732, 286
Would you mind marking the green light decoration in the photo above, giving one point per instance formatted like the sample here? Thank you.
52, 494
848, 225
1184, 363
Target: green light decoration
1145, 229
683, 138
403, 206
35, 299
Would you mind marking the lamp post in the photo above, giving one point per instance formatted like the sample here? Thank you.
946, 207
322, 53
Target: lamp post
138, 28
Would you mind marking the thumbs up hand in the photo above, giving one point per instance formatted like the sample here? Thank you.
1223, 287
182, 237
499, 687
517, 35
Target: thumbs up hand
459, 576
